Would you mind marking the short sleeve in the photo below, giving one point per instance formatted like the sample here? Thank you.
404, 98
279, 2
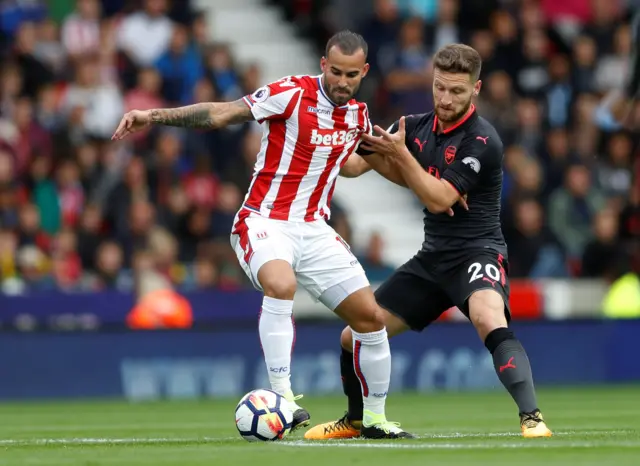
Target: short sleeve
475, 155
274, 101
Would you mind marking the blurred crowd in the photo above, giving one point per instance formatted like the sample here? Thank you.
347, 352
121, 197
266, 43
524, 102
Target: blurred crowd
79, 212
571, 203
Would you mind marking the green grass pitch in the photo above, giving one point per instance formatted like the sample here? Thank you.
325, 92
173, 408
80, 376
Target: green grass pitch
592, 426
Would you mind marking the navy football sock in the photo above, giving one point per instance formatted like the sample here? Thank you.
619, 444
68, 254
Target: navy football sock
351, 386
512, 366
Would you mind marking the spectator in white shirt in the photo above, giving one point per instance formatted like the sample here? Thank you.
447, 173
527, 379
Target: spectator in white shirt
145, 35
96, 106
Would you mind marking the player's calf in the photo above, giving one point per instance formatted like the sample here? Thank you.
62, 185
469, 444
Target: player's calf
486, 311
277, 331
371, 362
371, 356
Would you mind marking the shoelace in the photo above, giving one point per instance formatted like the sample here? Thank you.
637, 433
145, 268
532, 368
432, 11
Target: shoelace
387, 426
294, 398
340, 424
530, 419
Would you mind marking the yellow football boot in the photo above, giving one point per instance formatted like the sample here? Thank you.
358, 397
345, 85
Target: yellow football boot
533, 425
343, 428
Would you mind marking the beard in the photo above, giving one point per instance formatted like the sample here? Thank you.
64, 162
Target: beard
450, 117
339, 99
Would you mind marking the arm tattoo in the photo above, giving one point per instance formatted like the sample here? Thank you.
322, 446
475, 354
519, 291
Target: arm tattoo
192, 116
239, 112
207, 115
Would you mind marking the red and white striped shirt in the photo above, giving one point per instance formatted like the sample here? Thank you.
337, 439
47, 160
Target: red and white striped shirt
80, 35
306, 140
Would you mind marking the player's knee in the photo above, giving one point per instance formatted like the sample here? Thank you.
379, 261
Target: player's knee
279, 288
361, 311
369, 320
346, 339
486, 320
277, 279
486, 311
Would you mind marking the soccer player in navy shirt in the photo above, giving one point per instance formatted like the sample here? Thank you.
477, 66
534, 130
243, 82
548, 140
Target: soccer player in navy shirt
451, 159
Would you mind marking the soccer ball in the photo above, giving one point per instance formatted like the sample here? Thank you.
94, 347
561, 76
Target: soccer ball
263, 415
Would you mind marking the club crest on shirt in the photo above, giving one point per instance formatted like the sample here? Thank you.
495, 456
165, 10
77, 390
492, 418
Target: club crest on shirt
449, 154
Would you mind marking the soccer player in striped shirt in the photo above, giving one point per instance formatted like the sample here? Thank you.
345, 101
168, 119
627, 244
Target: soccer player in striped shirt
311, 124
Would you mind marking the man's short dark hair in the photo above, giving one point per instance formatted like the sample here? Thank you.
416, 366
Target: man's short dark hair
458, 58
348, 42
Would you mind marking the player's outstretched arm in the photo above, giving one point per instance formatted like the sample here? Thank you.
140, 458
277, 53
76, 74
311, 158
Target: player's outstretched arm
205, 115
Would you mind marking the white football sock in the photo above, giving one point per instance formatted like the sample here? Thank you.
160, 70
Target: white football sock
277, 335
372, 363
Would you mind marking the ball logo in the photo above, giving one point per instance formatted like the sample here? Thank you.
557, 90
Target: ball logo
449, 154
271, 419
259, 402
335, 138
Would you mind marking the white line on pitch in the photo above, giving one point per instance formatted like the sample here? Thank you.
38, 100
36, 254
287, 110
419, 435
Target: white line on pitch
586, 433
119, 426
109, 441
351, 443
460, 446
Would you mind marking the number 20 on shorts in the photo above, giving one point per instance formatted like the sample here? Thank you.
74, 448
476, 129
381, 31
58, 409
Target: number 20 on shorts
491, 270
